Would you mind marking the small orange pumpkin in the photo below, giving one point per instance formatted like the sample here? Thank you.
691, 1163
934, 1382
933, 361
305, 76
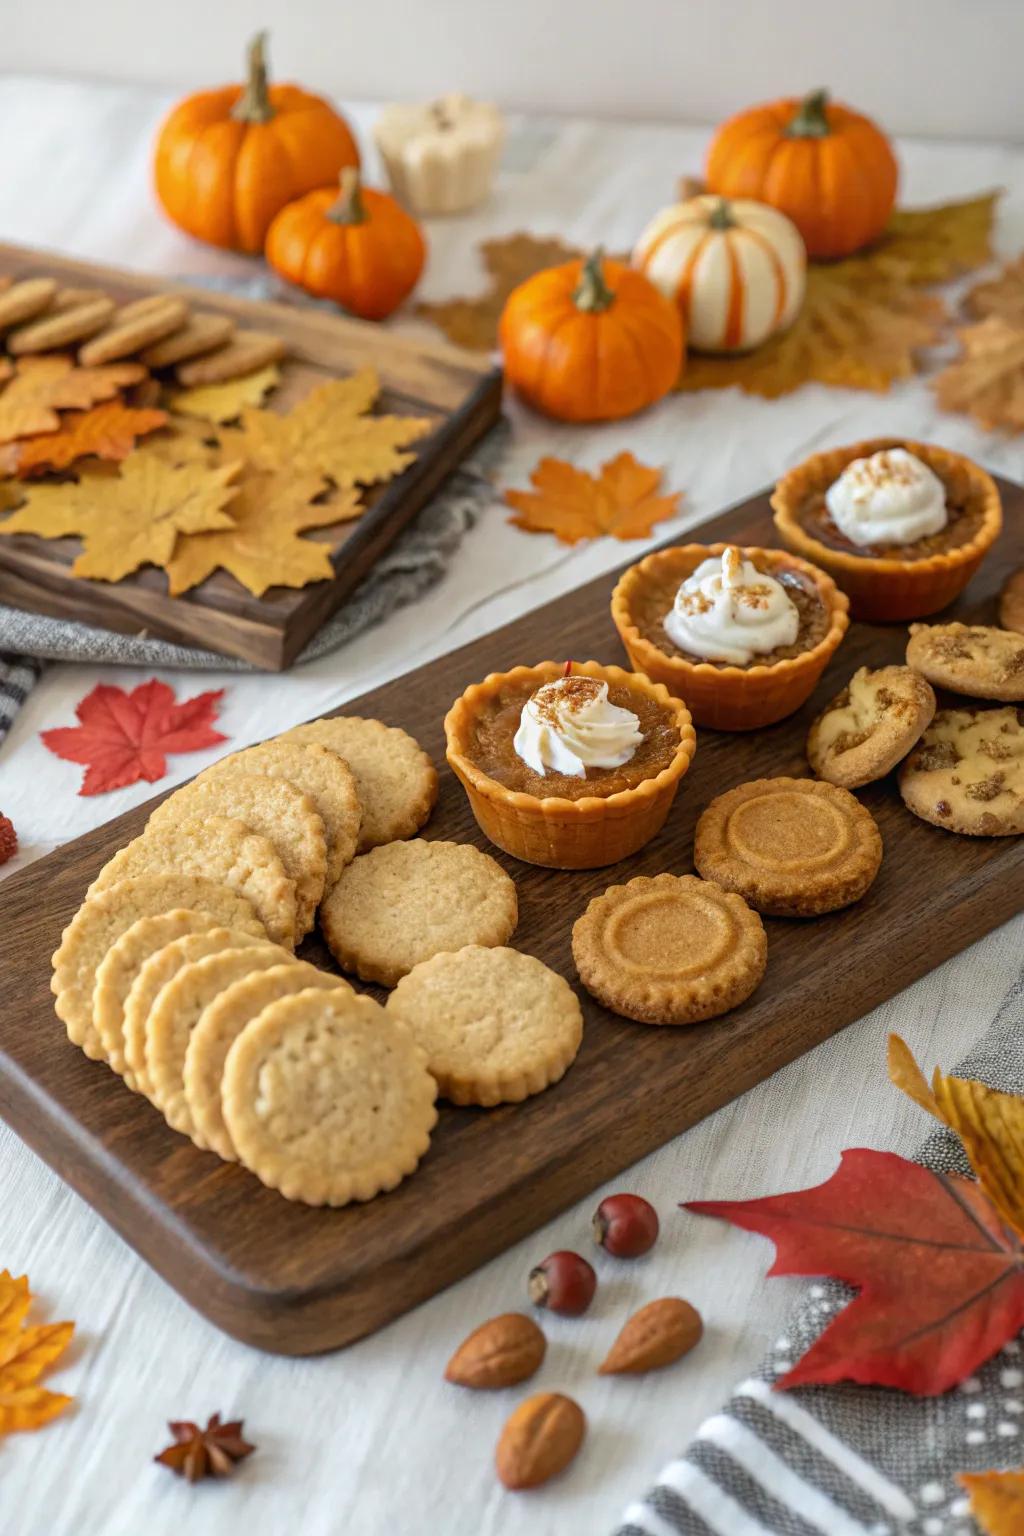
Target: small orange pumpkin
591, 341
828, 168
360, 248
229, 159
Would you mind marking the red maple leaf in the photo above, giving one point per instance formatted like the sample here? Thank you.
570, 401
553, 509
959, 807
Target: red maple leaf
124, 737
940, 1279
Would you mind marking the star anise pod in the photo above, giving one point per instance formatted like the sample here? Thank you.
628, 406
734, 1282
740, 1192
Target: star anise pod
209, 1452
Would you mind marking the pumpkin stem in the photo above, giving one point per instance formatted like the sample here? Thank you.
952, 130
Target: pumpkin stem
810, 121
350, 208
592, 293
720, 216
253, 106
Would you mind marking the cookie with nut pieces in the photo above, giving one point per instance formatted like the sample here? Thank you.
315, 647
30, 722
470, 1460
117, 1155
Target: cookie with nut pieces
870, 726
967, 772
976, 659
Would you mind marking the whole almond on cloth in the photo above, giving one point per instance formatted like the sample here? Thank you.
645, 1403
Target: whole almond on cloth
657, 1335
539, 1440
506, 1350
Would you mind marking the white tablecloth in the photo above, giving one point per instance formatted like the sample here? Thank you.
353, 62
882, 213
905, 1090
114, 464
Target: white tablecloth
370, 1441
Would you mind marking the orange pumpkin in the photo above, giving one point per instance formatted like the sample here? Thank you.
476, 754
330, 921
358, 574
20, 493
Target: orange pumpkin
229, 159
591, 341
361, 249
826, 167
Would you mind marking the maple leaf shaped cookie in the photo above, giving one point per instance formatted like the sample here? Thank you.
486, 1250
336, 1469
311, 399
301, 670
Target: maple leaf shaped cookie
263, 548
329, 433
131, 520
620, 500
43, 386
25, 1353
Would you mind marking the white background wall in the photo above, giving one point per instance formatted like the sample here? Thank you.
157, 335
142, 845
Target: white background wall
946, 68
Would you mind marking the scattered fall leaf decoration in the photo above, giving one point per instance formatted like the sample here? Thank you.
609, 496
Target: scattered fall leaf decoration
508, 261
26, 1351
932, 245
123, 737
41, 387
131, 520
8, 839
211, 1452
263, 548
620, 500
1002, 295
937, 1259
107, 431
987, 380
330, 433
997, 1501
225, 402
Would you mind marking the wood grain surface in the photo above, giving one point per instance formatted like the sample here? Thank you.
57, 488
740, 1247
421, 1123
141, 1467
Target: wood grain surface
458, 391
296, 1281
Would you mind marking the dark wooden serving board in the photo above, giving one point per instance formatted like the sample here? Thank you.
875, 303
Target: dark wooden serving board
295, 1280
460, 392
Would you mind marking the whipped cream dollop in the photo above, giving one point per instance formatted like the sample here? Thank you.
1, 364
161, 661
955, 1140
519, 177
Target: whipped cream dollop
728, 610
890, 498
570, 725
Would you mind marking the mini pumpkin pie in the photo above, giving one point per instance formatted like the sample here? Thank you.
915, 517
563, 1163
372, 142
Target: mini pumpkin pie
669, 949
790, 847
901, 526
569, 767
741, 634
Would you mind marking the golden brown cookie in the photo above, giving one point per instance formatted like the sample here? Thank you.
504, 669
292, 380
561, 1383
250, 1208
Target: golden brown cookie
220, 1025
789, 847
123, 962
967, 772
246, 352
100, 922
1011, 602
25, 300
395, 779
134, 327
201, 334
497, 1026
870, 726
669, 949
405, 902
976, 659
62, 327
269, 806
327, 1099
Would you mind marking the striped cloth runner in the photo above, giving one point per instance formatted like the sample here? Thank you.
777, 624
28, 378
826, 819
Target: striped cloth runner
848, 1460
18, 676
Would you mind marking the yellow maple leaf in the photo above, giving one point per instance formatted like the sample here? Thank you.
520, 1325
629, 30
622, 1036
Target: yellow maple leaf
620, 500
131, 520
932, 245
509, 260
225, 402
263, 548
329, 433
25, 1353
43, 386
987, 380
997, 1500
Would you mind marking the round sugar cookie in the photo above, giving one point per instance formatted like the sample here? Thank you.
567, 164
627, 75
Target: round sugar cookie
870, 726
100, 922
123, 961
976, 659
407, 901
497, 1025
154, 974
967, 772
272, 807
789, 847
669, 949
221, 848
327, 1099
395, 779
220, 1024
176, 1011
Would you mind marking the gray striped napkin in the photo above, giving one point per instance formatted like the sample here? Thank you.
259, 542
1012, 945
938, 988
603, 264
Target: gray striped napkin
18, 676
848, 1460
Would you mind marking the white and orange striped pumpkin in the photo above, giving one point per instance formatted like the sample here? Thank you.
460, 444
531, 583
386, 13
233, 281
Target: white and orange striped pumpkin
735, 268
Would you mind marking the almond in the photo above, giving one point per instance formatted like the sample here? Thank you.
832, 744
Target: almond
658, 1334
539, 1440
499, 1353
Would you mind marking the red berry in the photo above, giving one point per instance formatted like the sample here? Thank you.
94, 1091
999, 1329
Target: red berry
8, 839
626, 1226
564, 1282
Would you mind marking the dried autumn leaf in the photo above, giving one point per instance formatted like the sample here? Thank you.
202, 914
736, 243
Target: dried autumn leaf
132, 520
106, 432
43, 386
1002, 295
263, 548
123, 737
987, 380
509, 261
329, 433
186, 440
991, 1126
932, 245
997, 1501
225, 402
905, 1073
620, 500
25, 1353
